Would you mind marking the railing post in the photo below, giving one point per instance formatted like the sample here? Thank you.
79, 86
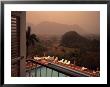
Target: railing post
46, 71
35, 72
51, 72
58, 74
29, 73
40, 72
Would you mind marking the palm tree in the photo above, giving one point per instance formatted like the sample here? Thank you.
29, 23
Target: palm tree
31, 39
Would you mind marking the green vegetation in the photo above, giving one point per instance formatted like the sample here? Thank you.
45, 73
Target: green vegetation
31, 39
40, 49
71, 46
88, 51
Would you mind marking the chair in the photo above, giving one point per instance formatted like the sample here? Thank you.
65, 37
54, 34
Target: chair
48, 57
65, 62
52, 58
94, 72
61, 61
55, 60
37, 58
68, 63
83, 68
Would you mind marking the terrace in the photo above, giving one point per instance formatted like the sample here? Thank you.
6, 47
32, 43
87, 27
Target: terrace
66, 68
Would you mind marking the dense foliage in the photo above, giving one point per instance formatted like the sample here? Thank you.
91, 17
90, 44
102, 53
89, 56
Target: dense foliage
88, 54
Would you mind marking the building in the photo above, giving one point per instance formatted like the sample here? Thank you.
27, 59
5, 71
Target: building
18, 43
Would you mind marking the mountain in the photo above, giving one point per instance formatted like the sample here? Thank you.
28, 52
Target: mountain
53, 28
73, 39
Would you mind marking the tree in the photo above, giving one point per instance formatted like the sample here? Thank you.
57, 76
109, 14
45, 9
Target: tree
86, 51
90, 60
73, 40
40, 49
31, 39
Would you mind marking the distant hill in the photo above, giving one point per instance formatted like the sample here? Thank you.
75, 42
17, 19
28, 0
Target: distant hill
53, 28
73, 39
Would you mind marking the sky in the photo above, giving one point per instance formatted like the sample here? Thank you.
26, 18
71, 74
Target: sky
88, 20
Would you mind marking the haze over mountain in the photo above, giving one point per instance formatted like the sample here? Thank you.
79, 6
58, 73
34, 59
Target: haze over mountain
68, 35
84, 22
53, 28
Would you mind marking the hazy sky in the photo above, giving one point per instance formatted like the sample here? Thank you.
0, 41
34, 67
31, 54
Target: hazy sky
89, 20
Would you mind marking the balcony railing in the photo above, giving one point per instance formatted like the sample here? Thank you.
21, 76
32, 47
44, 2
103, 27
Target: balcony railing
38, 69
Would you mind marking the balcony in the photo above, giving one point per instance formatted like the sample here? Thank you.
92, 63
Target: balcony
47, 68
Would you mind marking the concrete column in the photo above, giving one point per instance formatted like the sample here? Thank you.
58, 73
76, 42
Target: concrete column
23, 43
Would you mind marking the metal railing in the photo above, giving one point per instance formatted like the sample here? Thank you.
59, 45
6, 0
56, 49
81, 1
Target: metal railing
61, 71
44, 73
40, 70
